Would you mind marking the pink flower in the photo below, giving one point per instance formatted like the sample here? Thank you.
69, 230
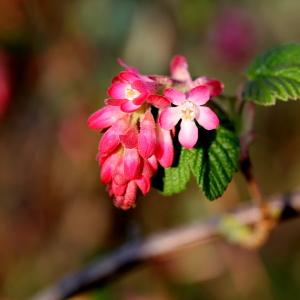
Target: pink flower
164, 149
109, 164
136, 139
132, 70
105, 117
111, 137
127, 197
179, 69
179, 72
123, 191
128, 68
189, 108
130, 91
215, 86
147, 136
132, 163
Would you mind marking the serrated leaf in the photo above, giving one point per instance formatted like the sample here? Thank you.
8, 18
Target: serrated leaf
215, 159
212, 161
274, 75
176, 178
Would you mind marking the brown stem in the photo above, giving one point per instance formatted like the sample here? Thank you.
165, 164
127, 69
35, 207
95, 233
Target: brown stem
263, 227
129, 255
252, 182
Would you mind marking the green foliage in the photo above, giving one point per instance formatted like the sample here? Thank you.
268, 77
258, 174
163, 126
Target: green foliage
176, 178
274, 75
212, 161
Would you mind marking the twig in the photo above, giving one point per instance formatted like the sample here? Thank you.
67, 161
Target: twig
139, 252
252, 182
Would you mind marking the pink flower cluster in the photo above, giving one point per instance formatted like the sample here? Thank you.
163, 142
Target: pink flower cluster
135, 141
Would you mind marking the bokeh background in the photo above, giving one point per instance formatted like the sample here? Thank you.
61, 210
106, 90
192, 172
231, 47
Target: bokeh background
56, 62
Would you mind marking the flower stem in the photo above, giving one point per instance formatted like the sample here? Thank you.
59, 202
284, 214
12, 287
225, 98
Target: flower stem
252, 182
262, 229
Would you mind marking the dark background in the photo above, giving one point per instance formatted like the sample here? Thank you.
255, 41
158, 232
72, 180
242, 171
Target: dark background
56, 61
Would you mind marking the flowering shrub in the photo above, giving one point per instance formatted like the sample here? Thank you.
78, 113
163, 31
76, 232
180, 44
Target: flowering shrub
140, 125
160, 129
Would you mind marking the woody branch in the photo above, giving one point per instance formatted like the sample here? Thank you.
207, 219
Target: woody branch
139, 252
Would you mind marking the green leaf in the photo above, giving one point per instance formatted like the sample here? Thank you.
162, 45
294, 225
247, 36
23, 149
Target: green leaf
212, 161
274, 75
174, 179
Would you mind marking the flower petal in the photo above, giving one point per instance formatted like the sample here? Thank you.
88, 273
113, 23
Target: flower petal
118, 190
111, 137
153, 163
144, 184
117, 90
109, 141
175, 96
130, 69
206, 118
169, 117
130, 195
130, 137
151, 87
161, 80
132, 163
139, 85
109, 166
105, 117
128, 76
129, 107
118, 201
158, 101
119, 175
164, 149
122, 63
199, 95
115, 102
148, 167
147, 136
188, 134
179, 69
215, 86
101, 158
142, 89
116, 79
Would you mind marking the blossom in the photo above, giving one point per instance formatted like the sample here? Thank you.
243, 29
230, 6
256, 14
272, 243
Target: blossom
130, 91
127, 151
105, 117
138, 137
188, 108
147, 136
179, 72
122, 189
179, 69
215, 86
164, 150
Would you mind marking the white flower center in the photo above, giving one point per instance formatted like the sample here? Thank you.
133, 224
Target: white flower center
187, 111
131, 93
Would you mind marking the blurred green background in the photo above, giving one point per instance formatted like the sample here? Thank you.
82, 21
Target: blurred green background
56, 62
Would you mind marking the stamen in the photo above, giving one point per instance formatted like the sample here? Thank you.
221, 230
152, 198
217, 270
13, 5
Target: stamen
131, 93
187, 111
